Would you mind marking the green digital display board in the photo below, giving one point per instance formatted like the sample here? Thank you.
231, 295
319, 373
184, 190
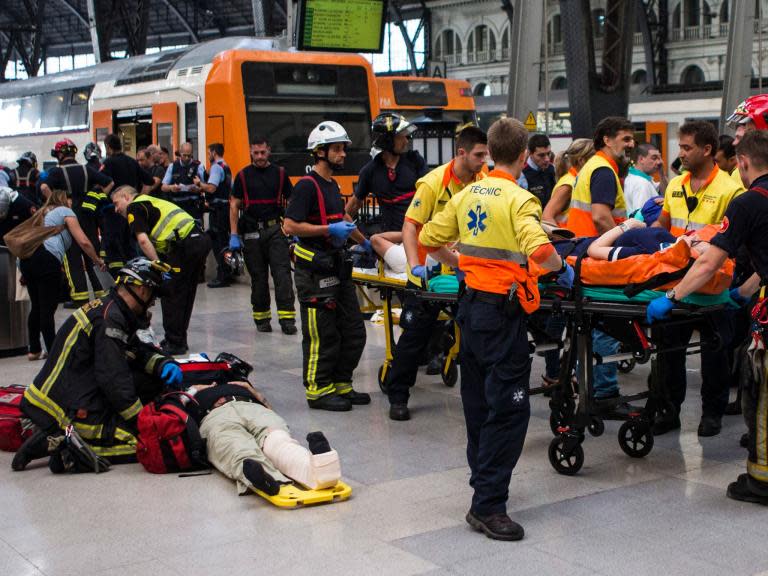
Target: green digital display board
342, 25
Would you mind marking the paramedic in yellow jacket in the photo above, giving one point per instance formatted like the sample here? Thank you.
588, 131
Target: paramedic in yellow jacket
502, 246
693, 200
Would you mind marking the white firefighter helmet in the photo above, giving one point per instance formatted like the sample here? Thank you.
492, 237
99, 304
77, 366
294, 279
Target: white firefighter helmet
327, 132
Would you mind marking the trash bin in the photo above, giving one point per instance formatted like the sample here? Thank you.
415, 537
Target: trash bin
13, 314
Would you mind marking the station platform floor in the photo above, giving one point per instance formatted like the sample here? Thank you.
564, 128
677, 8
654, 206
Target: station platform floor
665, 514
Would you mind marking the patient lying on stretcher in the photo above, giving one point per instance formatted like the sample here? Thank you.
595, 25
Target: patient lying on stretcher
249, 443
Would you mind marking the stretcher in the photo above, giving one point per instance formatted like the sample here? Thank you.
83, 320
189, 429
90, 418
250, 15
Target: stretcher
391, 285
295, 496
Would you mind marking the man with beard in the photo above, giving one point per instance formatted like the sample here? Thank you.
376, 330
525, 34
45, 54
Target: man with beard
333, 332
256, 212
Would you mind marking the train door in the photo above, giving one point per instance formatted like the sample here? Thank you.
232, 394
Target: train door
103, 124
165, 126
656, 133
134, 126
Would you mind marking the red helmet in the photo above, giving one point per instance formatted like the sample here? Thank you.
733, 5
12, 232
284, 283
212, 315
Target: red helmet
64, 147
754, 109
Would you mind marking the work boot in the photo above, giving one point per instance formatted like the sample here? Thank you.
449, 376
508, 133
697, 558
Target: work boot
263, 326
740, 490
496, 526
709, 426
357, 398
607, 406
33, 448
218, 283
174, 349
435, 365
332, 403
259, 478
288, 327
665, 423
399, 412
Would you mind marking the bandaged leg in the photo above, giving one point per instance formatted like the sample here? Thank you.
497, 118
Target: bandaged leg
292, 459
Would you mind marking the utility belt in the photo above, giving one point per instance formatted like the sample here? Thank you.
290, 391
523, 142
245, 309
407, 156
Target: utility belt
228, 399
249, 224
218, 202
177, 244
508, 303
336, 262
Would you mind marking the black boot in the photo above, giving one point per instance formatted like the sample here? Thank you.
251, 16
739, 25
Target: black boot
34, 448
399, 412
496, 526
740, 490
257, 476
357, 398
288, 327
709, 426
264, 326
332, 403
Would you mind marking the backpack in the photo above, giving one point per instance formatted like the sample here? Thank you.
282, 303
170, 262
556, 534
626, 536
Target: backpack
28, 236
169, 439
12, 432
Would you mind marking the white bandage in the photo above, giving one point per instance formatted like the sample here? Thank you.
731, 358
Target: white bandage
292, 459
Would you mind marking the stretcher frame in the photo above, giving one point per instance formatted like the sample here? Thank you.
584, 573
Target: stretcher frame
389, 288
294, 496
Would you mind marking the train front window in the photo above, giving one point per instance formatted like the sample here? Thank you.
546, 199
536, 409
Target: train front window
285, 101
415, 93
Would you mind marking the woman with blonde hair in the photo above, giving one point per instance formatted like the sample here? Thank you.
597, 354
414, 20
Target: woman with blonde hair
567, 166
42, 271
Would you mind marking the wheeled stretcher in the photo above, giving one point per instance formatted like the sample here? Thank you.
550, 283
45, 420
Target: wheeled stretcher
390, 286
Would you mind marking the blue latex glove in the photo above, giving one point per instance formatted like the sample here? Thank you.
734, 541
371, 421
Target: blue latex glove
234, 242
738, 298
171, 374
366, 245
419, 271
565, 279
658, 309
340, 231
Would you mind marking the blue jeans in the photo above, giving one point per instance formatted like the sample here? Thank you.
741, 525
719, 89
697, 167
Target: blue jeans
605, 381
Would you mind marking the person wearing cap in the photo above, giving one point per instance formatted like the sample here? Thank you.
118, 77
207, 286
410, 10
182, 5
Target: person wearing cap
98, 374
24, 178
333, 331
78, 180
695, 199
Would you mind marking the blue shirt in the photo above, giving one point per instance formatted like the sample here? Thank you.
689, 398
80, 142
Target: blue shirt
168, 178
58, 244
215, 177
640, 241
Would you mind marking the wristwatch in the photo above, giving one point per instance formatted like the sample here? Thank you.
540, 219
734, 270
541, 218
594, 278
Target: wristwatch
671, 294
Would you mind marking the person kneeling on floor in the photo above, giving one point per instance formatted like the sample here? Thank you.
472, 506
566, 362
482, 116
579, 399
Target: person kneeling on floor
99, 374
249, 443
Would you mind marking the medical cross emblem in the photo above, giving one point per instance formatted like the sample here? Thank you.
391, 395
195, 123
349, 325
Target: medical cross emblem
477, 220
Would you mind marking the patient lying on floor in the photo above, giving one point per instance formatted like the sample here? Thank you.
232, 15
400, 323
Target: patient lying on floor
249, 443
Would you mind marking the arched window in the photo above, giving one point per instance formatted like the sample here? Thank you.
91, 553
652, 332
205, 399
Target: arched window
505, 44
481, 46
448, 47
598, 22
724, 12
639, 77
560, 83
554, 30
692, 75
677, 21
482, 89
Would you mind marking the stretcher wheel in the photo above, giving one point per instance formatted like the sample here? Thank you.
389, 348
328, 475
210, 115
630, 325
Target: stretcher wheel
596, 426
626, 366
636, 438
382, 376
450, 373
566, 459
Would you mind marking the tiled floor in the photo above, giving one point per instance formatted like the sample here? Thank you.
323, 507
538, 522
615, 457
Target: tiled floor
665, 514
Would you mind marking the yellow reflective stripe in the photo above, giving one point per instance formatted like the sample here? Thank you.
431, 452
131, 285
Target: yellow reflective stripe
303, 253
88, 205
172, 220
262, 315
101, 293
343, 387
320, 392
66, 350
132, 410
125, 436
149, 367
96, 195
88, 431
116, 264
587, 206
116, 450
493, 253
83, 321
314, 346
39, 400
286, 314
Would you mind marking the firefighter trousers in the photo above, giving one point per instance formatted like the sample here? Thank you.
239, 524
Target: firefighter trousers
754, 401
218, 230
266, 251
333, 332
189, 256
116, 244
495, 369
77, 265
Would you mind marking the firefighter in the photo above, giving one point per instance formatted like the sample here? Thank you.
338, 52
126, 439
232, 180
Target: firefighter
255, 216
744, 225
419, 319
501, 242
24, 178
78, 180
179, 183
98, 373
333, 332
216, 190
161, 228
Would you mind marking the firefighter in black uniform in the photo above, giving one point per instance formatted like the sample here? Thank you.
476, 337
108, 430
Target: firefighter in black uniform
179, 183
744, 225
24, 178
78, 180
391, 175
217, 190
332, 327
98, 373
163, 229
255, 214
